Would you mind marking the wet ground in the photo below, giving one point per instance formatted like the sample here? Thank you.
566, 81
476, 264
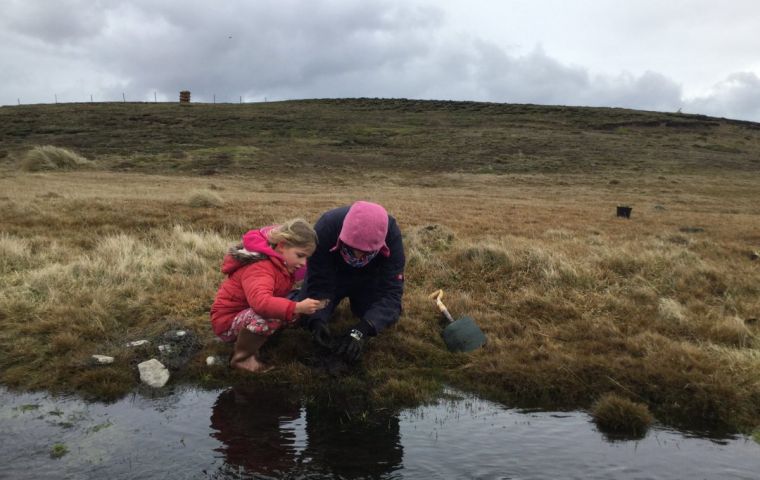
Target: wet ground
258, 434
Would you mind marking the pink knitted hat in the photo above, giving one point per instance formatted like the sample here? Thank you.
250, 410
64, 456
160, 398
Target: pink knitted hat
365, 228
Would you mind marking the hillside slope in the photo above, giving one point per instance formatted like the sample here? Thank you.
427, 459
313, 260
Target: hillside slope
382, 135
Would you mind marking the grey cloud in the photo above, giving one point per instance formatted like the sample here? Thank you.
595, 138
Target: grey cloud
489, 73
738, 96
54, 22
256, 49
304, 49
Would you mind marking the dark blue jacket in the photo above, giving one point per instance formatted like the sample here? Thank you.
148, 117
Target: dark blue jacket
379, 284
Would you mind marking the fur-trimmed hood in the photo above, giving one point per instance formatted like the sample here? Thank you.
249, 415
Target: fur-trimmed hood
237, 257
239, 254
253, 248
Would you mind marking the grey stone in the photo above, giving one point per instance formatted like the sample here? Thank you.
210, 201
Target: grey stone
104, 359
153, 373
138, 343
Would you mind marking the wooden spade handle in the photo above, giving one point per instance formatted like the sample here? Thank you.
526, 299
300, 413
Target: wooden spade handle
437, 295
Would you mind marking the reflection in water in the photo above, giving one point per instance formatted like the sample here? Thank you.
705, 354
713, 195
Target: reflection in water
248, 425
263, 433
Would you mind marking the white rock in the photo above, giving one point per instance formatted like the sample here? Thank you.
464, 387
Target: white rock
153, 373
138, 343
217, 360
103, 359
165, 348
180, 333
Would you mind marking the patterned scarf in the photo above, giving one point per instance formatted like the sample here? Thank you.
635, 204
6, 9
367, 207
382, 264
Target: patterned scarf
349, 257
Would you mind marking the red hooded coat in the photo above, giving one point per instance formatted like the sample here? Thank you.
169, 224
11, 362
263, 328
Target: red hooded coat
257, 278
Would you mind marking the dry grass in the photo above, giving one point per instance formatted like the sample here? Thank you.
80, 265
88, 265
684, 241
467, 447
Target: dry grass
48, 157
618, 415
205, 199
575, 303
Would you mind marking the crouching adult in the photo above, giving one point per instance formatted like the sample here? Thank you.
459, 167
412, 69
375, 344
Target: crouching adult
359, 256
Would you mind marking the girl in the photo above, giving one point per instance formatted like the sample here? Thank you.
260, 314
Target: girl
250, 304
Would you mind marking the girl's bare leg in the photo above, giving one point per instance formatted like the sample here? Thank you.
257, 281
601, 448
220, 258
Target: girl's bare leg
246, 352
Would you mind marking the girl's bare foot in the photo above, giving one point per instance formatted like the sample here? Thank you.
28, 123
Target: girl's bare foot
251, 364
246, 350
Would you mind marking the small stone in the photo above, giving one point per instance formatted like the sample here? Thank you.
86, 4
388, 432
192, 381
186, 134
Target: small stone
153, 373
180, 333
138, 343
754, 256
165, 348
104, 359
211, 361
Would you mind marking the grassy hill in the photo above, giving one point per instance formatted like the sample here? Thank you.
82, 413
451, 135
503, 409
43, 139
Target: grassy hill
386, 135
509, 208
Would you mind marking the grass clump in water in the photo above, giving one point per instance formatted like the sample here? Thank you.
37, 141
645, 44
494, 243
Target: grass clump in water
48, 157
58, 450
618, 415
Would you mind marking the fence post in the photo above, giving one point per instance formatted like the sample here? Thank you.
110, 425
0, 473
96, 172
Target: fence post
241, 99
90, 98
215, 98
155, 100
56, 97
123, 97
19, 101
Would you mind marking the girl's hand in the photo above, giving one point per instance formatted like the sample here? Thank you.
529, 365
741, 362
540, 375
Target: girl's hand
309, 306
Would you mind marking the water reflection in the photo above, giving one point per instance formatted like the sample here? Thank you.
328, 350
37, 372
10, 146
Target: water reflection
263, 432
248, 425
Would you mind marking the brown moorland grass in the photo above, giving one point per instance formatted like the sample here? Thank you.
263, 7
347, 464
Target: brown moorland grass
660, 309
575, 302
48, 157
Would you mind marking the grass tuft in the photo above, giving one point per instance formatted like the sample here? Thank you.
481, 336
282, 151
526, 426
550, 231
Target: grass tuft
48, 157
205, 199
616, 414
58, 450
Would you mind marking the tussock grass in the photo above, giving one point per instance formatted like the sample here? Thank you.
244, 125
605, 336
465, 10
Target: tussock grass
616, 414
205, 199
94, 300
48, 157
571, 312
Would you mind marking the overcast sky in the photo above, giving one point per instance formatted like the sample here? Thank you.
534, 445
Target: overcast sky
700, 56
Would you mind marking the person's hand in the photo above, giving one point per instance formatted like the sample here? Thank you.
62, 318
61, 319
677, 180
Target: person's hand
320, 333
309, 306
351, 346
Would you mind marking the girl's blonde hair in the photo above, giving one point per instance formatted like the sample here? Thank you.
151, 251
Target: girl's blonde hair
295, 233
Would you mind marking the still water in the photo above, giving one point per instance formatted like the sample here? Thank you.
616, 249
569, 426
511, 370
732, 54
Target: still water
258, 434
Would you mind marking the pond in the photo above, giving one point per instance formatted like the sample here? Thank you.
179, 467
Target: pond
245, 433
